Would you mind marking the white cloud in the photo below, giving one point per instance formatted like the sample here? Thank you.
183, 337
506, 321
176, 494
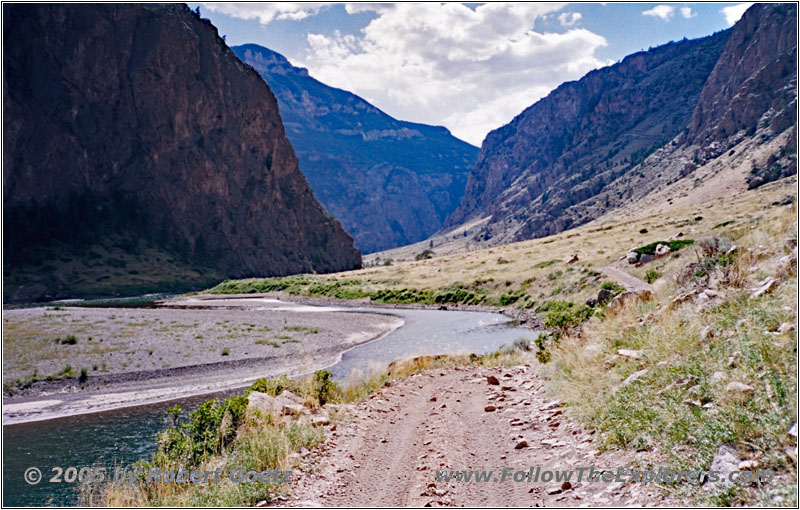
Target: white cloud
265, 12
734, 12
687, 12
472, 70
664, 12
568, 19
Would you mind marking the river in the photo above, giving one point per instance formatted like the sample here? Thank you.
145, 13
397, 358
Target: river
127, 435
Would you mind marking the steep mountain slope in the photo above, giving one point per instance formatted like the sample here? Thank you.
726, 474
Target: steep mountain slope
389, 182
131, 130
677, 124
569, 145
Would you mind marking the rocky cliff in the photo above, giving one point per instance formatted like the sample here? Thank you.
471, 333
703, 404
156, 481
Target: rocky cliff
655, 121
568, 146
389, 182
131, 129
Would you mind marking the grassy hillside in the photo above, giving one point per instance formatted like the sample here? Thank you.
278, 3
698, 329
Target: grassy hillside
705, 360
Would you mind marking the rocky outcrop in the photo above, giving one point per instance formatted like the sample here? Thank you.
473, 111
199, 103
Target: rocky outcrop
136, 121
389, 182
754, 81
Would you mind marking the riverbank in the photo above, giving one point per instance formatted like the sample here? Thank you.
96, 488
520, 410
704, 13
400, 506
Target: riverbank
62, 361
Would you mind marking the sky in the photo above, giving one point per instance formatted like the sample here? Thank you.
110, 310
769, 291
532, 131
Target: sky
469, 67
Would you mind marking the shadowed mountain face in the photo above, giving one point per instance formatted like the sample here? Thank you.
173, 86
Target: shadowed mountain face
630, 129
389, 182
132, 130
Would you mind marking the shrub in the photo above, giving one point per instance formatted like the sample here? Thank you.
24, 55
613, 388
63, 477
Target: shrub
652, 275
650, 249
614, 287
324, 388
561, 315
67, 340
425, 254
274, 387
209, 430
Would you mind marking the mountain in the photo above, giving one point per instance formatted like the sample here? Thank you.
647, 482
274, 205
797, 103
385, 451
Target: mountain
389, 182
651, 129
141, 154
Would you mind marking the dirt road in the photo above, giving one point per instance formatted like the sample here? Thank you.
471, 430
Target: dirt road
628, 281
389, 450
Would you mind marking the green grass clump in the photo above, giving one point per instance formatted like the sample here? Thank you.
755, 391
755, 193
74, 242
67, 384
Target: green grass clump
675, 245
67, 340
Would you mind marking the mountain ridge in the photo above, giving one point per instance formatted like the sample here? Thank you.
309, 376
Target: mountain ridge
140, 130
389, 182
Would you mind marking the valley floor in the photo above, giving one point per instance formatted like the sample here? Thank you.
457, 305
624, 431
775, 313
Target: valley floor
190, 346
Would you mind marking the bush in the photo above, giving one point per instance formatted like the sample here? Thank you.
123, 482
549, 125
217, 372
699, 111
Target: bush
560, 315
613, 287
425, 254
652, 275
650, 249
209, 430
274, 387
67, 340
325, 389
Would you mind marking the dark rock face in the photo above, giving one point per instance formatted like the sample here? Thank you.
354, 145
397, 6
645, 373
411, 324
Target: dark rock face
568, 146
753, 87
137, 121
756, 72
389, 182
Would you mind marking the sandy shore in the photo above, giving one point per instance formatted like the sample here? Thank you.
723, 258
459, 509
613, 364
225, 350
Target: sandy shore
190, 346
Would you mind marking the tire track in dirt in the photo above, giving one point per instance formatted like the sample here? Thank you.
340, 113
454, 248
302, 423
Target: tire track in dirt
388, 451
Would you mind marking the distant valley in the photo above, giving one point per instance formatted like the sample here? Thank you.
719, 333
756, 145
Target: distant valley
389, 182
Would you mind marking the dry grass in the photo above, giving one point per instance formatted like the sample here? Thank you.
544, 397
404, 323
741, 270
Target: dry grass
536, 271
681, 406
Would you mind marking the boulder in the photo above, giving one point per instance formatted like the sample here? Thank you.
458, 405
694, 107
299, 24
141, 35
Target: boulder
263, 403
662, 250
726, 460
604, 296
683, 298
591, 302
707, 332
644, 258
786, 327
707, 299
737, 387
630, 353
632, 257
573, 259
765, 286
627, 298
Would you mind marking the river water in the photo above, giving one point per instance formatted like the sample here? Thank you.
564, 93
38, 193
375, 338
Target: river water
126, 435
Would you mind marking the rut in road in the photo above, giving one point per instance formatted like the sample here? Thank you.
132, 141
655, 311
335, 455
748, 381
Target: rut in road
389, 450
